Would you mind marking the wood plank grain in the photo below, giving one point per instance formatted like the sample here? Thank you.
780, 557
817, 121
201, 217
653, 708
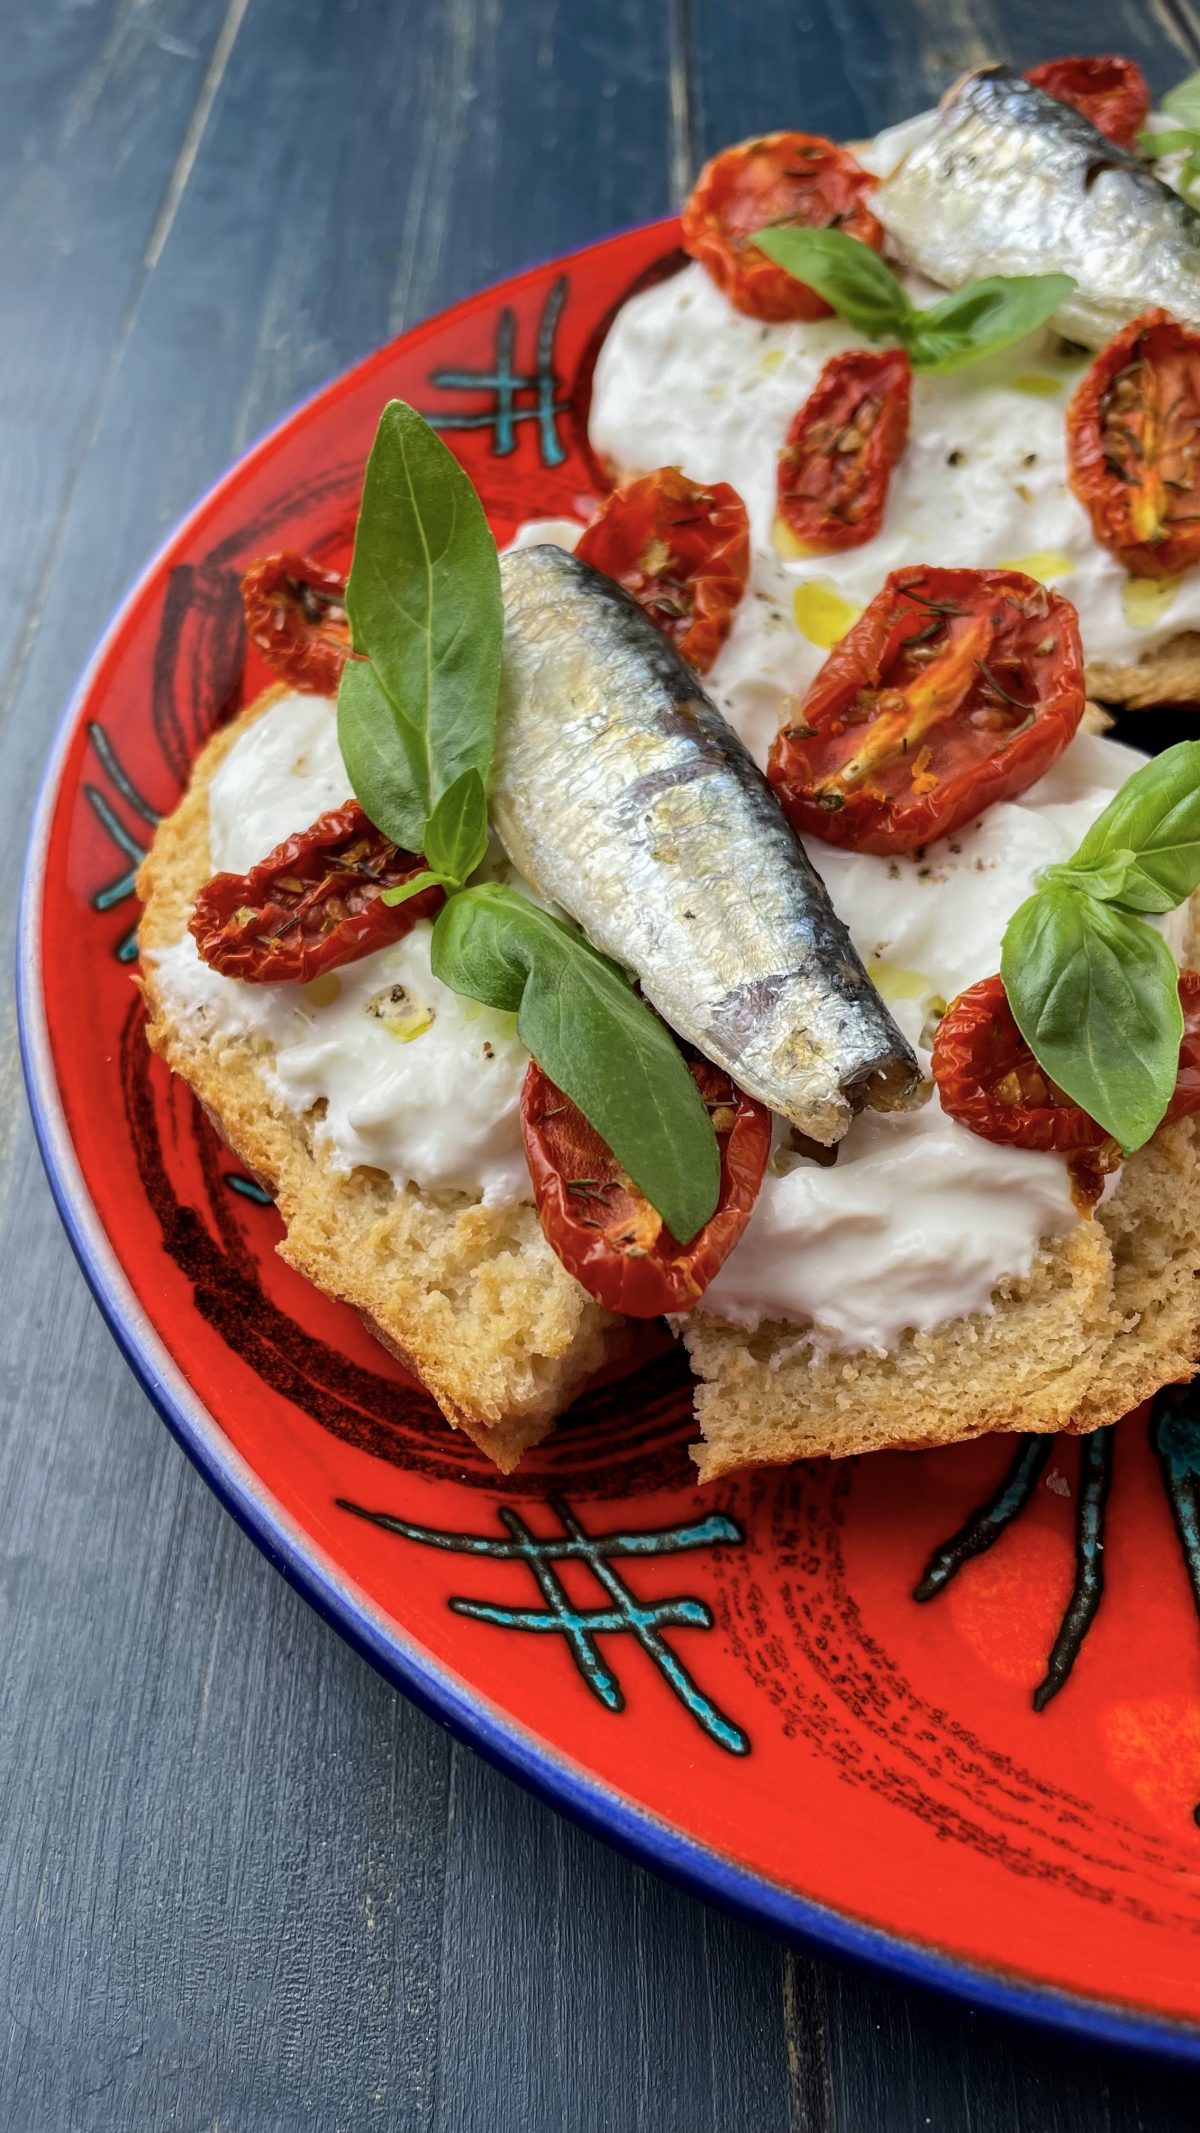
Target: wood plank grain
896, 2062
848, 67
619, 2003
96, 103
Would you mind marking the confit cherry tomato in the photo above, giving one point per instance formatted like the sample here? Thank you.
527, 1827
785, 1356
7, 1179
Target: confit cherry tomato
311, 905
954, 689
788, 180
603, 1229
1186, 1097
1113, 93
682, 550
296, 615
1133, 446
837, 462
989, 1080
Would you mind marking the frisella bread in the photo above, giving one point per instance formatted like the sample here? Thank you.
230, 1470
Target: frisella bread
468, 1296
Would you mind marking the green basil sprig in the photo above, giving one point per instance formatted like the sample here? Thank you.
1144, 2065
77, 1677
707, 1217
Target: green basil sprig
1183, 104
1146, 844
580, 1017
971, 322
1094, 989
454, 839
1096, 996
424, 604
417, 725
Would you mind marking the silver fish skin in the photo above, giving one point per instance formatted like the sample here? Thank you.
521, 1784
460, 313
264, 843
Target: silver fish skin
623, 796
1010, 181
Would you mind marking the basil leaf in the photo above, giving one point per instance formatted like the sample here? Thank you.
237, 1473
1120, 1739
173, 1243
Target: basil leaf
455, 840
848, 274
1106, 879
423, 598
1152, 827
426, 879
972, 322
1095, 993
1183, 101
588, 1029
1164, 144
982, 317
456, 833
382, 755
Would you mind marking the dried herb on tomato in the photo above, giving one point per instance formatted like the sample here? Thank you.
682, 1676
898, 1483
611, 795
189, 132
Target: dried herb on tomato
312, 904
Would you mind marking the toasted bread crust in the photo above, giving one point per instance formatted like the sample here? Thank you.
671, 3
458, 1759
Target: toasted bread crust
1108, 1315
1170, 675
470, 1298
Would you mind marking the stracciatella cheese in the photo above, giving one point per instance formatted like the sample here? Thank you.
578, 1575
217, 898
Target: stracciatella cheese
958, 1214
915, 1223
277, 779
942, 912
415, 1080
685, 380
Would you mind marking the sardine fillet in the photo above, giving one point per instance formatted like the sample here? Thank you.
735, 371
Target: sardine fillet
1010, 181
623, 796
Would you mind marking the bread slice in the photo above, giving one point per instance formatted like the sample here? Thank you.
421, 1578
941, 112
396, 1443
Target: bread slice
1108, 1314
474, 1301
1170, 675
469, 1297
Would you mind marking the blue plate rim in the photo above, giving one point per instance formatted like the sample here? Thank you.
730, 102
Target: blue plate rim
442, 1694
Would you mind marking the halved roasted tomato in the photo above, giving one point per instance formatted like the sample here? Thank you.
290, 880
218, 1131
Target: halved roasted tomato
836, 464
989, 1080
1113, 93
796, 180
605, 1231
1133, 446
953, 690
682, 548
311, 905
296, 615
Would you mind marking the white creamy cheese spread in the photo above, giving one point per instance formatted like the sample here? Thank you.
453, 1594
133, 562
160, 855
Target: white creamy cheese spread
918, 1219
685, 380
415, 1080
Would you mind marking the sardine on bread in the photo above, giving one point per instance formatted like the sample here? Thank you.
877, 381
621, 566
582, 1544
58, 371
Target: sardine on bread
473, 1299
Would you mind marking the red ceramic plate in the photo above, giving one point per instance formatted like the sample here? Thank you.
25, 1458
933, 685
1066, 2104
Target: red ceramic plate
740, 1685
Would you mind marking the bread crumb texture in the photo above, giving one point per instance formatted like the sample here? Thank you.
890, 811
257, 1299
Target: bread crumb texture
1108, 1314
470, 1298
1170, 675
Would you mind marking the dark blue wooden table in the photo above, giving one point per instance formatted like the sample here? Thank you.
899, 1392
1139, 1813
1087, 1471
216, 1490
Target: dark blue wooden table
242, 1885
